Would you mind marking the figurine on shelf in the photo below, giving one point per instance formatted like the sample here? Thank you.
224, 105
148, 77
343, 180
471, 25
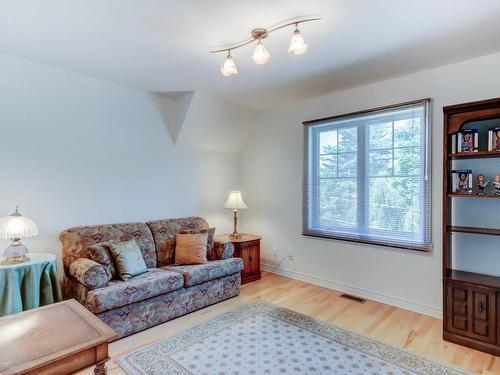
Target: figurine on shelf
481, 184
496, 184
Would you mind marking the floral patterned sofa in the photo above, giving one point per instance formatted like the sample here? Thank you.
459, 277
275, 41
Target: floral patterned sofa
164, 292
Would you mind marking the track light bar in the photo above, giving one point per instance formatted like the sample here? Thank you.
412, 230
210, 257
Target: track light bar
261, 55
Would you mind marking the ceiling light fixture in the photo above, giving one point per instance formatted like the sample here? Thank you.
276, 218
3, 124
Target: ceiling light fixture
261, 55
298, 46
229, 67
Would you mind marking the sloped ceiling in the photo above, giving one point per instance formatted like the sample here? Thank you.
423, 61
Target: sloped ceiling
204, 121
173, 109
162, 45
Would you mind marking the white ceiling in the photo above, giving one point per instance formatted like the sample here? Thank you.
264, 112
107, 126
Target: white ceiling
162, 46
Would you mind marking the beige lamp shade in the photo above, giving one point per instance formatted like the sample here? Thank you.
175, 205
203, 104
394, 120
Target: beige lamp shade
235, 201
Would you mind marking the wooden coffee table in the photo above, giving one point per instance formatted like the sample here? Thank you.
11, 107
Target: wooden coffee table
56, 339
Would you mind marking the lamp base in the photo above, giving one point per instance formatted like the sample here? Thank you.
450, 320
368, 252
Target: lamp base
234, 235
16, 250
15, 260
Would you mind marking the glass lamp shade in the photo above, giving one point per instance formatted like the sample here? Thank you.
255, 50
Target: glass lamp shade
260, 55
298, 46
15, 227
235, 201
229, 68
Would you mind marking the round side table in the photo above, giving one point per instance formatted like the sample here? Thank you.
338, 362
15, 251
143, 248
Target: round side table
27, 285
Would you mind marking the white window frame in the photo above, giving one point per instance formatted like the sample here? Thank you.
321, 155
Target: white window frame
361, 232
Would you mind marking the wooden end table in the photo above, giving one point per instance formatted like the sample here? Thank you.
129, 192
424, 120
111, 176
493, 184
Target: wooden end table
61, 338
246, 246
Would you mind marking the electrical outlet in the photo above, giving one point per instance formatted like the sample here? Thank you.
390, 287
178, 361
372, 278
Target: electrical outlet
275, 252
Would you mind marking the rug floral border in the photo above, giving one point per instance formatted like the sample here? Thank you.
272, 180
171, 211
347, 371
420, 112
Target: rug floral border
150, 359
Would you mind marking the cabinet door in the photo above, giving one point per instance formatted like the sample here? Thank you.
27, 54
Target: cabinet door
457, 298
482, 313
471, 312
250, 252
246, 255
254, 259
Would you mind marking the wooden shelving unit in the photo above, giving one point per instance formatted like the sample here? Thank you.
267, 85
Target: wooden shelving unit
474, 279
474, 230
471, 301
474, 155
461, 195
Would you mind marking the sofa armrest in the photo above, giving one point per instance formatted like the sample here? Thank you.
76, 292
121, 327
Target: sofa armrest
89, 273
223, 250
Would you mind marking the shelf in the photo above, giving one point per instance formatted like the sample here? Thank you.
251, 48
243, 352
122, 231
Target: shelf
475, 155
473, 278
473, 230
458, 195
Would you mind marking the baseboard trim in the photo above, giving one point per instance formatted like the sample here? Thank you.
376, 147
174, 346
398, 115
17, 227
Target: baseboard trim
368, 294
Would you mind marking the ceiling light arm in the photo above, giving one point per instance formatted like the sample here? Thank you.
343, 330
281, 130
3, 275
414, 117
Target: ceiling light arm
296, 23
260, 33
234, 47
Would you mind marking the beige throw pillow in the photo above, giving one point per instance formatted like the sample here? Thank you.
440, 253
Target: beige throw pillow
128, 259
191, 248
211, 255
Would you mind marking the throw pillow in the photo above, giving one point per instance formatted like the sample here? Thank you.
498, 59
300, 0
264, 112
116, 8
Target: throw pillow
191, 248
101, 254
89, 273
128, 259
211, 253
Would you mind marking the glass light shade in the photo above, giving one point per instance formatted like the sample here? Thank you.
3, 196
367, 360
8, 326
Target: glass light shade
229, 68
260, 55
297, 45
17, 226
235, 201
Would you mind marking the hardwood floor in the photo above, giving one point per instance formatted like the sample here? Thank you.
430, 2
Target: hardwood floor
417, 333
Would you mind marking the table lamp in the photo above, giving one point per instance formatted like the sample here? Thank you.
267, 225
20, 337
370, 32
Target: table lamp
15, 227
235, 202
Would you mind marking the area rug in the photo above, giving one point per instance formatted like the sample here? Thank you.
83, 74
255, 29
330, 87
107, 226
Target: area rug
260, 338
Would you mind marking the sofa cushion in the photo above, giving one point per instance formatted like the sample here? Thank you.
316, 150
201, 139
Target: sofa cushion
128, 259
200, 273
164, 232
89, 273
120, 293
211, 255
101, 254
76, 240
191, 248
223, 250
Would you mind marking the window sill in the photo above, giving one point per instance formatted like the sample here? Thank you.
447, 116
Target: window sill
370, 242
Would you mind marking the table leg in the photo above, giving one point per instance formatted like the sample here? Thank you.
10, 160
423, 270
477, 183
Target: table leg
100, 369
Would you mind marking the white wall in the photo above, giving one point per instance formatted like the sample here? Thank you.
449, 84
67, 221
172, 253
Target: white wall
272, 184
75, 150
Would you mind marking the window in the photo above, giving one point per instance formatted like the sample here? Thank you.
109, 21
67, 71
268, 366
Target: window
367, 177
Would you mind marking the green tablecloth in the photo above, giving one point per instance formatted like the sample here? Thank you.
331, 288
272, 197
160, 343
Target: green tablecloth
28, 285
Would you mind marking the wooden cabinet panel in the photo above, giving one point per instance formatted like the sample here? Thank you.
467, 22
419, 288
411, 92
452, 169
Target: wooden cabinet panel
458, 316
247, 247
472, 312
250, 252
498, 319
483, 314
245, 255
